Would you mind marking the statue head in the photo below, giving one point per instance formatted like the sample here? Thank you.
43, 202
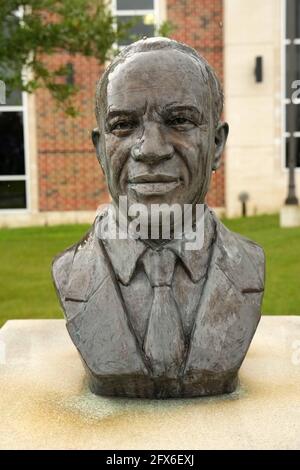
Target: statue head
159, 135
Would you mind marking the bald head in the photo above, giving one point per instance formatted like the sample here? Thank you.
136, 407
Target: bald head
206, 75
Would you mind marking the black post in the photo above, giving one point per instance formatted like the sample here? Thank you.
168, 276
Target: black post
243, 197
244, 209
292, 198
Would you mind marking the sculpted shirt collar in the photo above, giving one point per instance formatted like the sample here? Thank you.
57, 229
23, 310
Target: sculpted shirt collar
125, 253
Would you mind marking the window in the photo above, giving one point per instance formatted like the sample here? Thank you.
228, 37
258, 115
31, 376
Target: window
13, 184
144, 14
292, 73
12, 152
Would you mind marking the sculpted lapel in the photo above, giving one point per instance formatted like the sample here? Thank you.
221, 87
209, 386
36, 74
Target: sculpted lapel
96, 317
229, 309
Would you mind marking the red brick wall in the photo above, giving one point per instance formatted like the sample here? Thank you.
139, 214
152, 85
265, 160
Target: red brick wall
199, 23
70, 177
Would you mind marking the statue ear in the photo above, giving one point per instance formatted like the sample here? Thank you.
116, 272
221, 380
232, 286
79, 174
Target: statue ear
96, 143
221, 135
96, 137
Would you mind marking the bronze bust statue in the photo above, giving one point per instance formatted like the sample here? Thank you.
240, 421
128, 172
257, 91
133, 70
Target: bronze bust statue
149, 317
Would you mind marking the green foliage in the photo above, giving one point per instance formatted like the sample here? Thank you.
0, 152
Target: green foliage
44, 27
166, 29
31, 30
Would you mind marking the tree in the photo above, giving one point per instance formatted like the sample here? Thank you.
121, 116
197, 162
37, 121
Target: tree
33, 29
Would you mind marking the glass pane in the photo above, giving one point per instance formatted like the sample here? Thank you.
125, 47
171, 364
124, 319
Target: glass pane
12, 97
292, 68
292, 19
287, 149
292, 112
144, 26
12, 195
12, 160
135, 4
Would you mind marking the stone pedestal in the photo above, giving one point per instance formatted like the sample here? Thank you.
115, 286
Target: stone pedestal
45, 402
290, 216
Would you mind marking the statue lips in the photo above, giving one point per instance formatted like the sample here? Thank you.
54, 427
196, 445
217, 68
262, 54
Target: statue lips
154, 184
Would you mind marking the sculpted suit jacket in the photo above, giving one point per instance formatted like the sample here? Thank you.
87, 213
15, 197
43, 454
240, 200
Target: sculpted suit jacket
98, 322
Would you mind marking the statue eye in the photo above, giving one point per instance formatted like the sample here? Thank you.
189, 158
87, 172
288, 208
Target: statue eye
122, 126
179, 121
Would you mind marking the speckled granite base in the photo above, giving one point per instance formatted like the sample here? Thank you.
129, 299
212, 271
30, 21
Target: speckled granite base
45, 402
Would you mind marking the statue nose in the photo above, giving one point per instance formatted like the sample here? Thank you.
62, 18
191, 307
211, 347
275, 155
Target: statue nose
152, 147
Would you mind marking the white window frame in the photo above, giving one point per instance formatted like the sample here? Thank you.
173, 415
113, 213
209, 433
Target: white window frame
24, 109
155, 12
285, 42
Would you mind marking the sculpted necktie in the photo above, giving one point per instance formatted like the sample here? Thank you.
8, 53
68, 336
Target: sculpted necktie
164, 338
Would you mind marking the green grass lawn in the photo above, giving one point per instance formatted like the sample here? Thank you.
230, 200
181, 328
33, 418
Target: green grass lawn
26, 289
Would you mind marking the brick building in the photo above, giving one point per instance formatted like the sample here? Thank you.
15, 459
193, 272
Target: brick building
49, 172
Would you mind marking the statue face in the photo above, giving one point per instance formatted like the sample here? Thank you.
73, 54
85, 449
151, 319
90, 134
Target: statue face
159, 140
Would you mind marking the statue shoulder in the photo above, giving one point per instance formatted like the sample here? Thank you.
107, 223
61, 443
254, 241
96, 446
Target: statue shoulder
61, 267
246, 257
78, 271
63, 262
234, 240
253, 249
